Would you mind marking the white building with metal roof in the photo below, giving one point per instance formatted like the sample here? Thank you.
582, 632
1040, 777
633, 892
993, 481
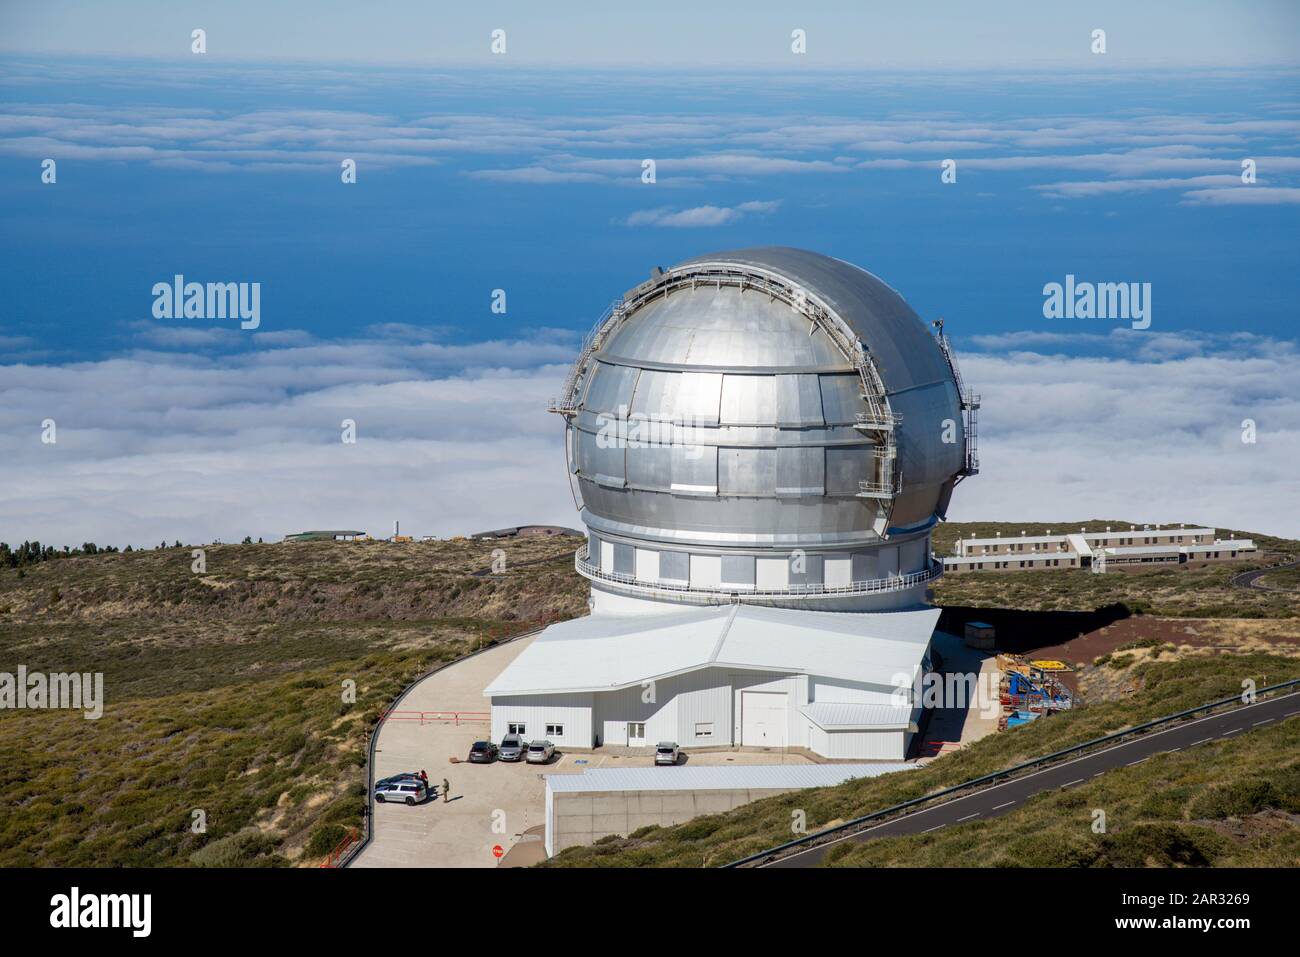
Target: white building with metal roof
760, 443
1096, 550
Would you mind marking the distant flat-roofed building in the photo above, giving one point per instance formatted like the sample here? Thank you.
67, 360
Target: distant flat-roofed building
1095, 550
326, 535
529, 531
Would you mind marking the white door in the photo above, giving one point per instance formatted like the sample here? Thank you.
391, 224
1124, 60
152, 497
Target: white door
635, 734
763, 718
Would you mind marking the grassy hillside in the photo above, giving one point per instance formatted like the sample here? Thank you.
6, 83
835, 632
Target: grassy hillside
224, 691
1230, 803
1157, 828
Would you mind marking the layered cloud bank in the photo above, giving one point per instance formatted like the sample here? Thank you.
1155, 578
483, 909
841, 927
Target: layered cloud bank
1149, 429
1194, 157
245, 436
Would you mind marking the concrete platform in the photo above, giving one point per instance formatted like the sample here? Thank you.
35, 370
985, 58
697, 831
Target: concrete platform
458, 833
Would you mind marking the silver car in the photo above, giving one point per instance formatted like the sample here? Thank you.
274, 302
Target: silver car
512, 748
667, 752
539, 752
409, 792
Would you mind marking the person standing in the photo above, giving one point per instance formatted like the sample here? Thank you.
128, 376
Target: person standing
446, 790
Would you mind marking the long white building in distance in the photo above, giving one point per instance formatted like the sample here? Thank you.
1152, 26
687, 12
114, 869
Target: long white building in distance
1115, 548
759, 443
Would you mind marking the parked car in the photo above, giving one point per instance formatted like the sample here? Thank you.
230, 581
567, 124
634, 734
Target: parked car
404, 776
667, 752
482, 752
539, 752
512, 748
410, 791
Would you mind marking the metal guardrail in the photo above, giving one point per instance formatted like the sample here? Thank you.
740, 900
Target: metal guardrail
566, 402
341, 849
722, 593
455, 718
810, 840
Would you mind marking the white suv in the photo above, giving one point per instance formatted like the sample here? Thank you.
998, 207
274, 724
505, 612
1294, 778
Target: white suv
408, 791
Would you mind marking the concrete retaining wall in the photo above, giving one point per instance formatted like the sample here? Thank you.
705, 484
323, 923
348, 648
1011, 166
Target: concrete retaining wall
586, 817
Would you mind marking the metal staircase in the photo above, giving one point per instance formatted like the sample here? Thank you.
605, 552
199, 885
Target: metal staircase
568, 402
970, 407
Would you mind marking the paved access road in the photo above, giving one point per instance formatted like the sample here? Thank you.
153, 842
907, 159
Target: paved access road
1002, 798
1251, 579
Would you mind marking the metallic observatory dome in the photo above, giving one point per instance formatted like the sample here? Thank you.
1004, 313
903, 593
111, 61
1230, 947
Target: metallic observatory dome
763, 404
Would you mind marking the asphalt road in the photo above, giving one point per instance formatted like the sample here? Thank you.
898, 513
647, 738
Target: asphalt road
1251, 579
1002, 798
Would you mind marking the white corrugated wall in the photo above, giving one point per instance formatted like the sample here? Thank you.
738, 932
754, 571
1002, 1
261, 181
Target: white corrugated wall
868, 745
796, 689
614, 709
535, 712
850, 692
703, 697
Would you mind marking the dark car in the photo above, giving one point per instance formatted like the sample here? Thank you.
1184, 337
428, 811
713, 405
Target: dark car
482, 752
404, 776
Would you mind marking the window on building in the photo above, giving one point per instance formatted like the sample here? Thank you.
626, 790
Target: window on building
555, 730
704, 729
514, 728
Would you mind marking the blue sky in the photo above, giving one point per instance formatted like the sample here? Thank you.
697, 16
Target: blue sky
523, 172
675, 33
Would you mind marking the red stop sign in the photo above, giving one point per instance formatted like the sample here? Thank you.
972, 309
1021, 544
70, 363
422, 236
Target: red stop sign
497, 850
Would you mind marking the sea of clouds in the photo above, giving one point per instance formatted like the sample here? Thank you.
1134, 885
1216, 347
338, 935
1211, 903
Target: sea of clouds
241, 435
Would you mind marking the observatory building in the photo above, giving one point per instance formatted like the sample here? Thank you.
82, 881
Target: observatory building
759, 443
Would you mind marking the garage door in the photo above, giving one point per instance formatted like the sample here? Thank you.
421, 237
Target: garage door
763, 718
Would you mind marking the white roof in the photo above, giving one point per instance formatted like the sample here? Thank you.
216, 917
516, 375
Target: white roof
836, 715
606, 652
1153, 532
717, 777
1142, 549
1009, 539
955, 560
1091, 536
1079, 544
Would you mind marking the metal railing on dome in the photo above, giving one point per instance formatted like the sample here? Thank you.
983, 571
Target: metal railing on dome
723, 593
566, 403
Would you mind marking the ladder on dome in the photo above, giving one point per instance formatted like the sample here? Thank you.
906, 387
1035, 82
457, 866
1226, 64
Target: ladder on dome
970, 407
567, 403
885, 479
